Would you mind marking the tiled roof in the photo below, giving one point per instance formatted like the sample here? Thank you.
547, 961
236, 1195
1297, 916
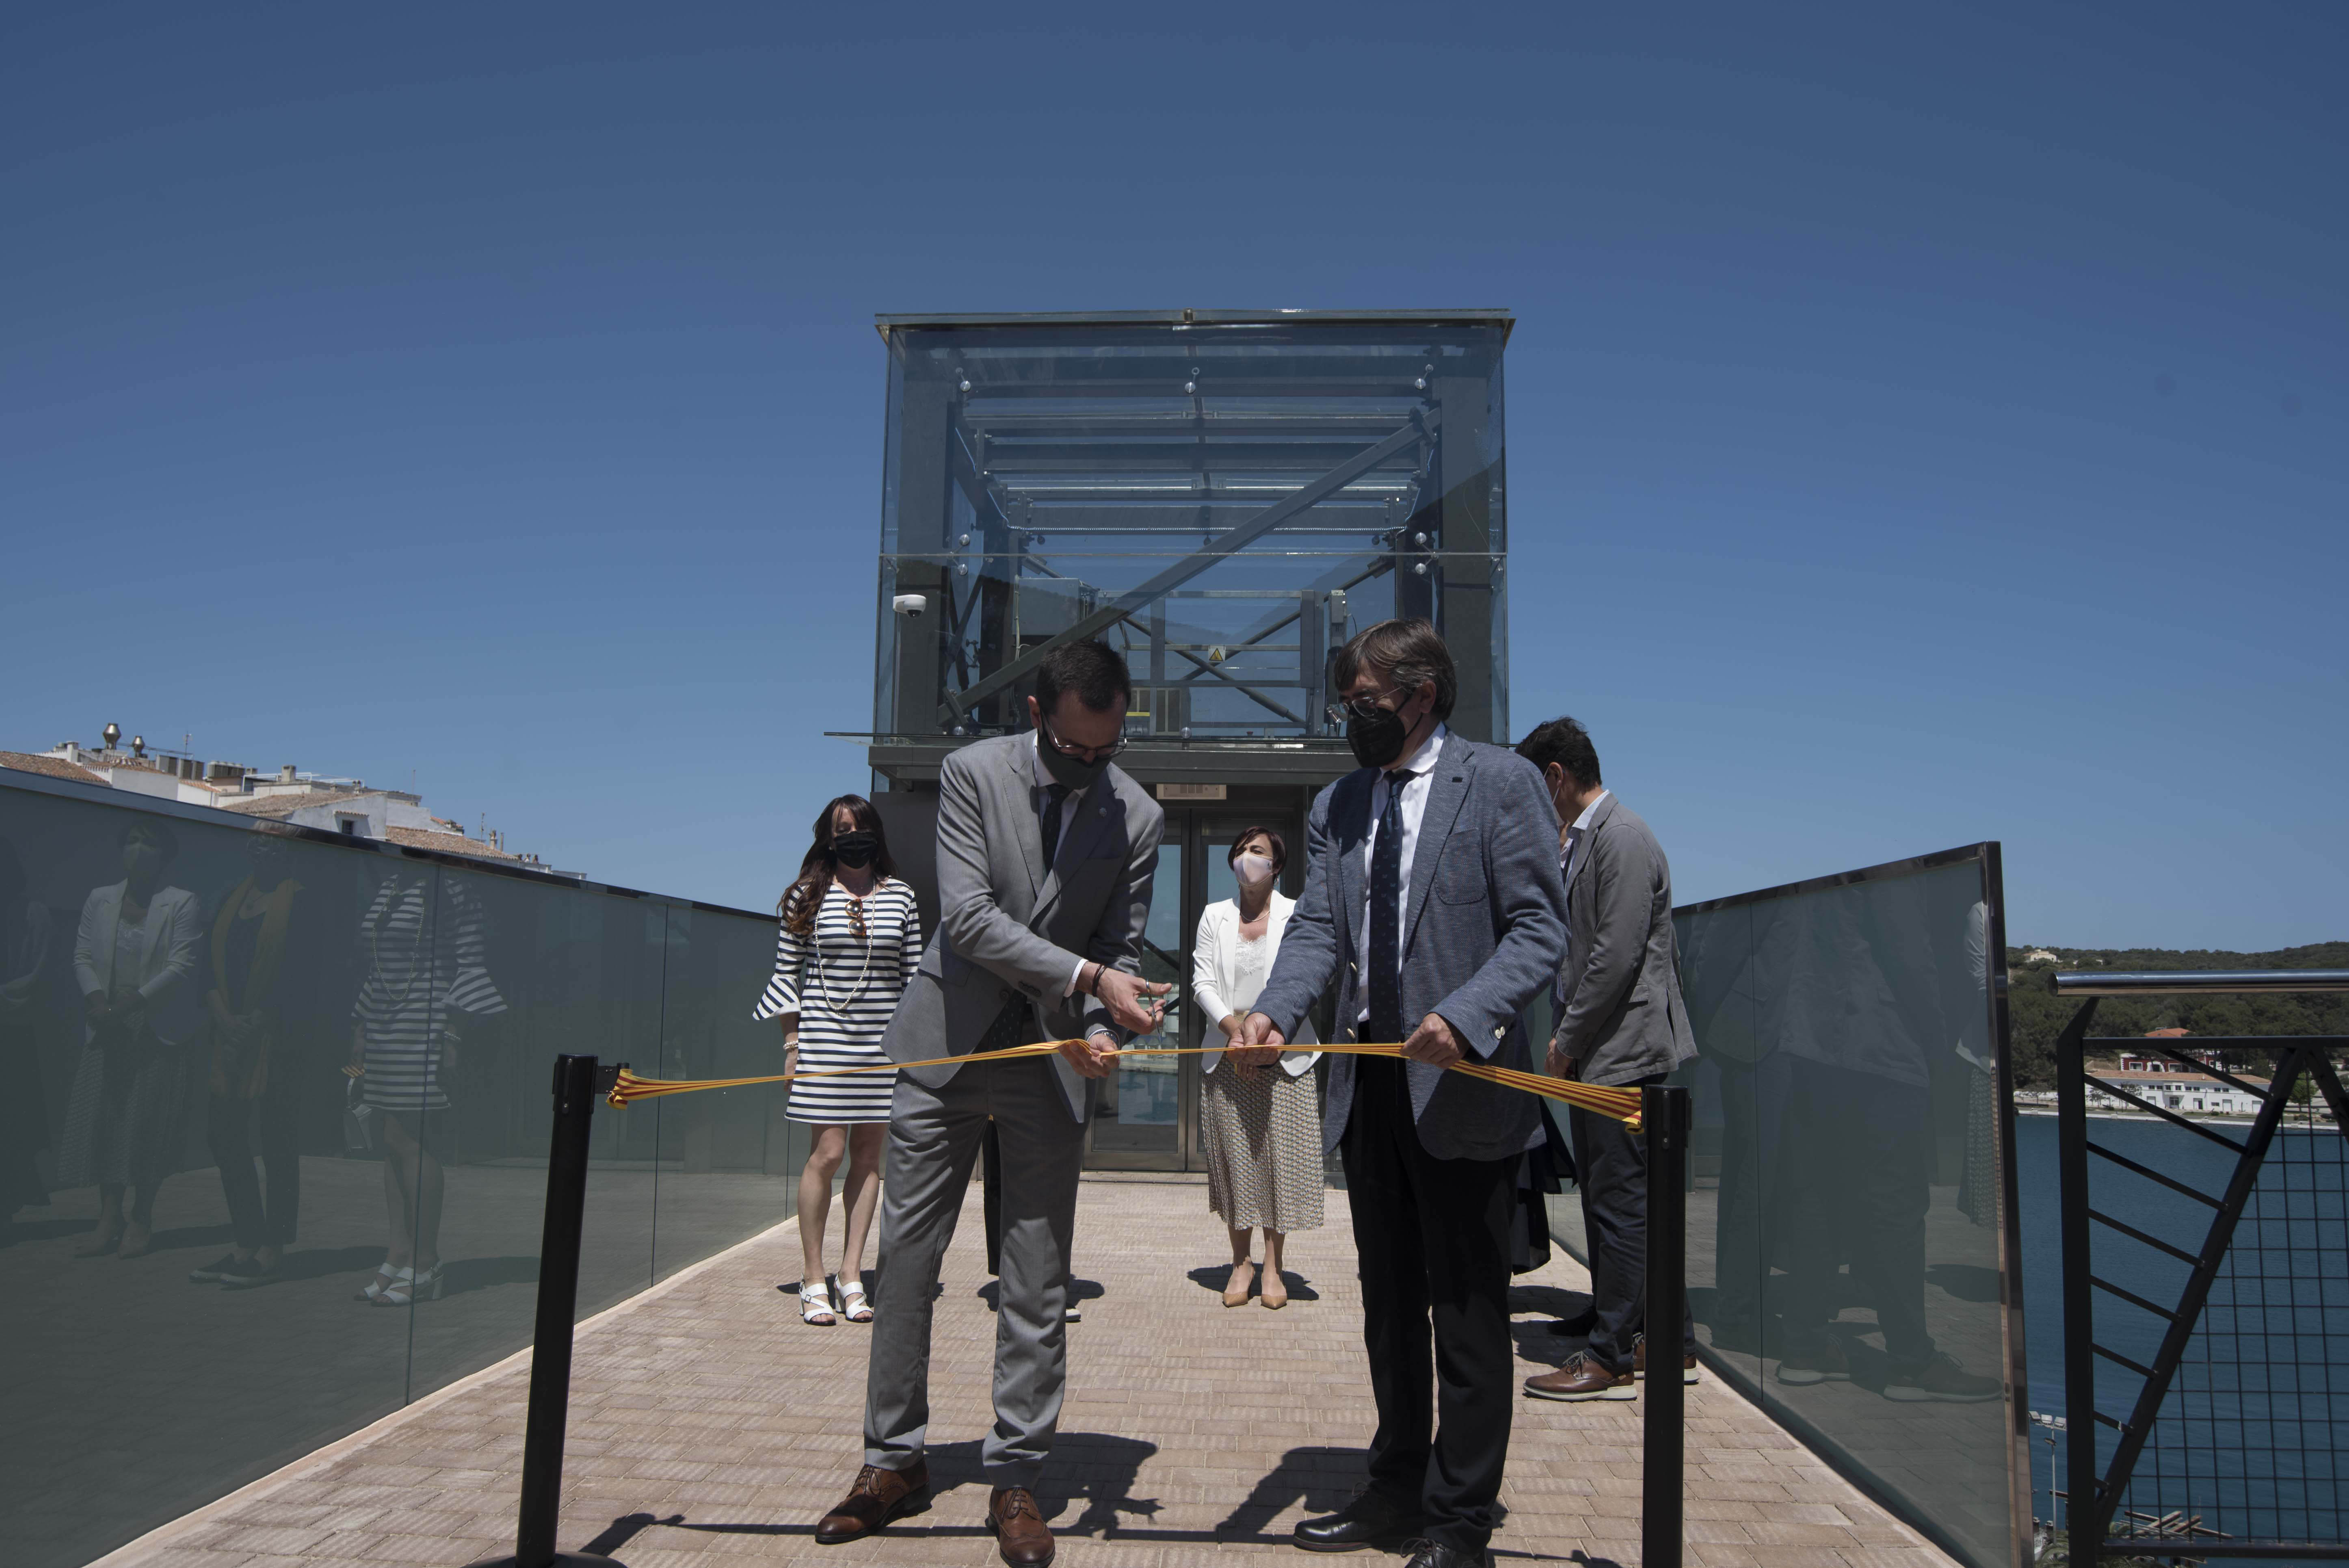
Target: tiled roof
447, 843
286, 805
55, 767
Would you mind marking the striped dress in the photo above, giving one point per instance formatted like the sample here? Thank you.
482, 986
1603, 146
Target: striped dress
845, 988
426, 960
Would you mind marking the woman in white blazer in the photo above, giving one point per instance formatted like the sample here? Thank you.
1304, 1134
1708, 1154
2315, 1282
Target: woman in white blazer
1261, 1127
135, 957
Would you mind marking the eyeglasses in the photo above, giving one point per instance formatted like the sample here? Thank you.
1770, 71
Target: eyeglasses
1338, 713
1083, 753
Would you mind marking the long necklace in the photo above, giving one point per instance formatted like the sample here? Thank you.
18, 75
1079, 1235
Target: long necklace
856, 923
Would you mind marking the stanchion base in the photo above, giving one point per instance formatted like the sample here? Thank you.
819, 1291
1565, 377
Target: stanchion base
561, 1560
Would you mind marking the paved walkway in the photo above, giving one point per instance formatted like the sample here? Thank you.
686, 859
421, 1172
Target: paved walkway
711, 1429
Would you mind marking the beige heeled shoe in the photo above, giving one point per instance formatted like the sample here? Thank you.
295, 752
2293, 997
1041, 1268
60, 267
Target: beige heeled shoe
1236, 1289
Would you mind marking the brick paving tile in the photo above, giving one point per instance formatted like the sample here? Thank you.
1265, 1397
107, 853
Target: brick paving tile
710, 1427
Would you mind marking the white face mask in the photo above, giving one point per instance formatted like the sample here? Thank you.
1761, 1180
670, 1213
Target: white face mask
1254, 870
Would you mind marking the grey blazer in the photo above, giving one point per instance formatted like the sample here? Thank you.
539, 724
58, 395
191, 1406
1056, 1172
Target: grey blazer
1005, 929
1623, 1017
1481, 935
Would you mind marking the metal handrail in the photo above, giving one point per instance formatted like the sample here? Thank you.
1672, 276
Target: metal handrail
2179, 982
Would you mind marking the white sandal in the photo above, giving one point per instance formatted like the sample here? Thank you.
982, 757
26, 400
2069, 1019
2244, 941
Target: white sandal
852, 1298
815, 1305
385, 1274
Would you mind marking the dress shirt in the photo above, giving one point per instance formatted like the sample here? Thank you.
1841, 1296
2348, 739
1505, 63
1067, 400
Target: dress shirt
1044, 782
1421, 765
1580, 827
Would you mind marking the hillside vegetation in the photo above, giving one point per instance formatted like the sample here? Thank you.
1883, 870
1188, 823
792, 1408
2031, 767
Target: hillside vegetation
2038, 1015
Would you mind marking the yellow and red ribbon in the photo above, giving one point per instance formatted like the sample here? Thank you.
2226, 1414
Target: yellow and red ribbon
1621, 1104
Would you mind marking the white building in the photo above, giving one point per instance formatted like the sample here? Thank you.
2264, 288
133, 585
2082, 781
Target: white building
2173, 1089
306, 799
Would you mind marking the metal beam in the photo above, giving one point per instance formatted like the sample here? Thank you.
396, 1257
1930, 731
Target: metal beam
957, 703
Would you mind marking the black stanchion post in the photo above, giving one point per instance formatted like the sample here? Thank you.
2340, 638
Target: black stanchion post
577, 1084
991, 1177
1664, 1123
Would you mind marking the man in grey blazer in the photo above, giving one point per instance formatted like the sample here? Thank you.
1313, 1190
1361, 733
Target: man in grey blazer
1046, 854
1433, 898
1620, 1022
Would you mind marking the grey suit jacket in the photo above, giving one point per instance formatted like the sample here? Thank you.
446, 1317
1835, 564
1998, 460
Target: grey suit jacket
1481, 935
1623, 1017
1005, 928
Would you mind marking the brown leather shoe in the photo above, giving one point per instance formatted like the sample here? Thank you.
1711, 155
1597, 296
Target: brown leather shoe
1584, 1376
1018, 1526
879, 1496
1640, 1361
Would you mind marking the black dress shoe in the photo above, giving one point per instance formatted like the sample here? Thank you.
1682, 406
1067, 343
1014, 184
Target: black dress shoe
1369, 1520
1429, 1554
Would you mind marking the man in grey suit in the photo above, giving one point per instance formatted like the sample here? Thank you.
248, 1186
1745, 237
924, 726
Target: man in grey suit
1433, 898
1046, 855
1620, 1022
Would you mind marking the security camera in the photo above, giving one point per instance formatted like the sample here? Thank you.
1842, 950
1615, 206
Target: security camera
909, 603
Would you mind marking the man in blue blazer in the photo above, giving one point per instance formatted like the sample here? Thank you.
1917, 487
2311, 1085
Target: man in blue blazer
1433, 898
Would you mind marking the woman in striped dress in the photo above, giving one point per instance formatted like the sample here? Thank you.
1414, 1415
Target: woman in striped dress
848, 942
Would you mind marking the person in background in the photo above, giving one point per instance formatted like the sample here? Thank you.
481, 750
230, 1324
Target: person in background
26, 932
1621, 1023
252, 1085
848, 939
136, 956
1261, 1129
1432, 898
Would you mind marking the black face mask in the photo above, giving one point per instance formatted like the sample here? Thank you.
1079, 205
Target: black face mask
1076, 774
1377, 735
857, 850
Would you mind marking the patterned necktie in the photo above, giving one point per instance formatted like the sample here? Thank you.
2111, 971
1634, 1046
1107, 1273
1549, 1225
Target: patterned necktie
1054, 795
1385, 1021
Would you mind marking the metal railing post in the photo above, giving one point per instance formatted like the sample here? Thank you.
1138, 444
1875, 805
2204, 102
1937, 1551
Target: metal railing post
577, 1085
1664, 1121
2084, 1520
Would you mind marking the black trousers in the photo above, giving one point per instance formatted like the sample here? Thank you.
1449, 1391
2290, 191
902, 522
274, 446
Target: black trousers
232, 1125
1433, 1238
1611, 1163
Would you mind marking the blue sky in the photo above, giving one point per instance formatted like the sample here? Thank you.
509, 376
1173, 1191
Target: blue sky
1926, 425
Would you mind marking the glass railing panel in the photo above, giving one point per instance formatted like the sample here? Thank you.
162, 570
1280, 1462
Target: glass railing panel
521, 971
230, 960
1846, 1057
729, 1157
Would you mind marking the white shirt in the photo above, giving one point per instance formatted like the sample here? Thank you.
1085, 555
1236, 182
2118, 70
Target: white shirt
1581, 825
1421, 765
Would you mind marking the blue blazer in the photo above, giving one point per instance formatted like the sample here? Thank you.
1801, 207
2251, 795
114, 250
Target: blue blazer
1483, 932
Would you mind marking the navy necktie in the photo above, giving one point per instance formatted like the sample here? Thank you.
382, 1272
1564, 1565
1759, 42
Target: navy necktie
1385, 980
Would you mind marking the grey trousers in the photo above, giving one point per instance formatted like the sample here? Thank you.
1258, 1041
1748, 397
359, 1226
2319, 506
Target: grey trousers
934, 1136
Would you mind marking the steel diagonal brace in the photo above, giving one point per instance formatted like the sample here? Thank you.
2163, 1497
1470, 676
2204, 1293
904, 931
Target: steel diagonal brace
957, 703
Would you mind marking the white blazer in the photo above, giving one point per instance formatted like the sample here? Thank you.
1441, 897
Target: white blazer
1215, 972
170, 943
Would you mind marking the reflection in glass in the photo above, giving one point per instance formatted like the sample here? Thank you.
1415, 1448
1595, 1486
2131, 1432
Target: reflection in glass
423, 974
26, 932
1847, 1169
182, 989
135, 957
254, 1079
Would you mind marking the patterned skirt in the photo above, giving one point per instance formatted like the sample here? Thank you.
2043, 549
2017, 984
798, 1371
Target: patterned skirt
1263, 1146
